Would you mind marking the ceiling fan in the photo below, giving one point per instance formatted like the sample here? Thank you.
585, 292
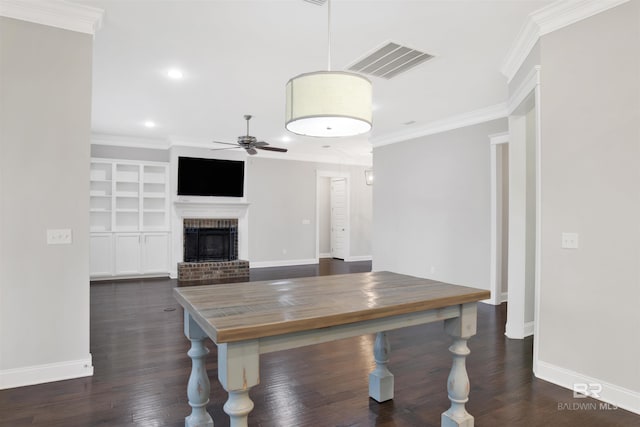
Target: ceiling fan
250, 143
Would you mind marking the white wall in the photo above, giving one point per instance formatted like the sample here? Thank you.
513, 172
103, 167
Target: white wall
45, 109
590, 116
432, 204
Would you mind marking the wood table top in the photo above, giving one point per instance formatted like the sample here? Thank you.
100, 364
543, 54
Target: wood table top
241, 311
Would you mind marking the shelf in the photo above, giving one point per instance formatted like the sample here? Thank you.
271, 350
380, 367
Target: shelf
128, 196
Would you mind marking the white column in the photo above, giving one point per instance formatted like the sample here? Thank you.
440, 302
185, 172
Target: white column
238, 371
198, 387
381, 379
461, 329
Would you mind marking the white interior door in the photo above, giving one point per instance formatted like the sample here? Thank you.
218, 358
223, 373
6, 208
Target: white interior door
339, 218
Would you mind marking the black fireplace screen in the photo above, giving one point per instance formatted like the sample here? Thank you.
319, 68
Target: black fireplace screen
210, 244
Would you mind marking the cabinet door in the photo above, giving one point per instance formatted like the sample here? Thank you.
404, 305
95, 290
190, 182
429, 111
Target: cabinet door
101, 255
127, 253
155, 253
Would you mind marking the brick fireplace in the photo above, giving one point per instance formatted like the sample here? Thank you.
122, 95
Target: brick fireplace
210, 252
201, 212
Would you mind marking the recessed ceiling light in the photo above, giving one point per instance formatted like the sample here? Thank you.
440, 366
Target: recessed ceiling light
326, 146
149, 124
174, 73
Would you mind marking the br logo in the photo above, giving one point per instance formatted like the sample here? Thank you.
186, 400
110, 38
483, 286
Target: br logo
582, 390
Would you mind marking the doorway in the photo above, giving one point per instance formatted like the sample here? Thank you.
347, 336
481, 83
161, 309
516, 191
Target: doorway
332, 213
524, 209
499, 149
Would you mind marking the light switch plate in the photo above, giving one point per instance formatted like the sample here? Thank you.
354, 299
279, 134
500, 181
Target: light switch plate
60, 236
570, 240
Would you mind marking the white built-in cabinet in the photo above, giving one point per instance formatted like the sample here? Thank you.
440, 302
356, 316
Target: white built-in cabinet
129, 218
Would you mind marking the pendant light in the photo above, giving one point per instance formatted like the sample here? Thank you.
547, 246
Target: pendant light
328, 103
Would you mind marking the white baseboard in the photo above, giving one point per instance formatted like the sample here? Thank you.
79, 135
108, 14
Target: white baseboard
325, 255
128, 276
492, 301
517, 333
528, 329
282, 263
610, 393
38, 374
358, 258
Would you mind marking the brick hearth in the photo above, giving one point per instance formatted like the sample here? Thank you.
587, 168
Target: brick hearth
202, 273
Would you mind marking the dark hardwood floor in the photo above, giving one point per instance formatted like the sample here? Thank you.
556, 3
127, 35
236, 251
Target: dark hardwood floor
141, 373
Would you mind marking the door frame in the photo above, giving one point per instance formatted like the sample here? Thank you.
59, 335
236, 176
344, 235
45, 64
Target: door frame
497, 203
320, 174
525, 97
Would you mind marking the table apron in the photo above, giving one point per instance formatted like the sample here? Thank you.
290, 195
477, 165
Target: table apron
317, 336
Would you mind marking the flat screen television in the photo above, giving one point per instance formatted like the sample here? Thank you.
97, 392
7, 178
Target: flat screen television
210, 177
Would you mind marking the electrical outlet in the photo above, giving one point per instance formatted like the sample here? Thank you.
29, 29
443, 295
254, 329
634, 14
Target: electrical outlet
59, 236
570, 240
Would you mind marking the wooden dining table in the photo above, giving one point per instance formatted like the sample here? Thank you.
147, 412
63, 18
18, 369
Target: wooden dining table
245, 320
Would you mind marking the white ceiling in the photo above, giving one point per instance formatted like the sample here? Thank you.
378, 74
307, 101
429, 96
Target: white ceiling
237, 56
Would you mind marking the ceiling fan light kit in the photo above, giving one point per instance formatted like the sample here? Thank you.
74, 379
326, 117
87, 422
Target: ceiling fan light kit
328, 103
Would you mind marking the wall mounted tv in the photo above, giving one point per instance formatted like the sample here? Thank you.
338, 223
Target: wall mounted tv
210, 177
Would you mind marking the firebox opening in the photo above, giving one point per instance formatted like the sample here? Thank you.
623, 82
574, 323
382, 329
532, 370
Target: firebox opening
210, 244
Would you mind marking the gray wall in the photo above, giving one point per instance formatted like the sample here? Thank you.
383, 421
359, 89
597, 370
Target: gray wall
129, 153
590, 118
282, 193
432, 204
45, 108
324, 215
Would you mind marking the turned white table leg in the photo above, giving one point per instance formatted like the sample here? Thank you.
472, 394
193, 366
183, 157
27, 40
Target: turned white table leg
238, 371
198, 387
381, 379
461, 329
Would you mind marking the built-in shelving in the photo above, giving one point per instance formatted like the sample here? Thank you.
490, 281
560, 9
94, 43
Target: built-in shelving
129, 196
129, 217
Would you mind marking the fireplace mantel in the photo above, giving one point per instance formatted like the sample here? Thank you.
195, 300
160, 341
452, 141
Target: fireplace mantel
197, 208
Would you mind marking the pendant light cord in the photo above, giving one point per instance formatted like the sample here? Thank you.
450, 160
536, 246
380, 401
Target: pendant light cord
329, 35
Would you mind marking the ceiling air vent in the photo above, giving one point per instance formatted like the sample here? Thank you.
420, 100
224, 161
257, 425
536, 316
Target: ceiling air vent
318, 2
389, 61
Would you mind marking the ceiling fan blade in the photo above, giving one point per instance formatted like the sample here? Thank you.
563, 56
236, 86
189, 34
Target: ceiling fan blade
225, 143
251, 151
225, 148
279, 150
260, 144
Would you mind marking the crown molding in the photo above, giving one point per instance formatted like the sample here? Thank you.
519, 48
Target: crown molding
129, 141
550, 18
174, 141
59, 14
470, 118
